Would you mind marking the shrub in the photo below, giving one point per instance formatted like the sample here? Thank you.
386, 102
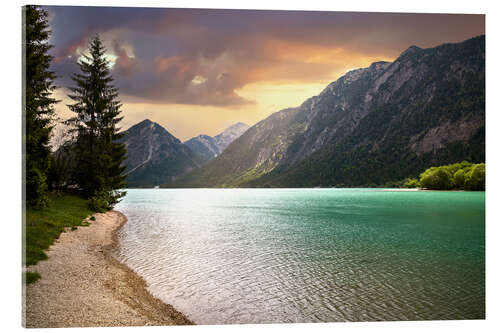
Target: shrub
459, 179
104, 200
411, 183
475, 179
463, 175
100, 202
436, 178
36, 187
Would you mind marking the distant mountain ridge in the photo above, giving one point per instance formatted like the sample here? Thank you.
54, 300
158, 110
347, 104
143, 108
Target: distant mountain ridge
230, 134
385, 122
208, 147
205, 146
154, 156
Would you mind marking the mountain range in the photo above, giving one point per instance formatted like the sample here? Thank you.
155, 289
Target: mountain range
208, 147
373, 125
154, 156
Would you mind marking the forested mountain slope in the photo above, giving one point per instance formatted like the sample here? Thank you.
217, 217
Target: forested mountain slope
373, 125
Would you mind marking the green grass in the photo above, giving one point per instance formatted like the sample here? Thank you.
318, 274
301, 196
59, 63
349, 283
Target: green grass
45, 225
30, 277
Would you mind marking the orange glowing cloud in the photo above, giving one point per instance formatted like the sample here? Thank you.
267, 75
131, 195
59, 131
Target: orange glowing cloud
223, 66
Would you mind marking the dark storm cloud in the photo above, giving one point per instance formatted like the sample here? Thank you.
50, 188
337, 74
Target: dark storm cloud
202, 57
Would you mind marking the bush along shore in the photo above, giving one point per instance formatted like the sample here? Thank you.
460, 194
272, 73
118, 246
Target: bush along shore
463, 176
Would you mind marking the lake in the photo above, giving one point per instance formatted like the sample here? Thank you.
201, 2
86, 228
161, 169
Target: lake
227, 256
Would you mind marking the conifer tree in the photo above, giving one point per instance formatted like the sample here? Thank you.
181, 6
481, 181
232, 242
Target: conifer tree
38, 104
99, 170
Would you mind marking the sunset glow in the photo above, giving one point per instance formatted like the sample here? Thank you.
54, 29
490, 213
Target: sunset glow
199, 71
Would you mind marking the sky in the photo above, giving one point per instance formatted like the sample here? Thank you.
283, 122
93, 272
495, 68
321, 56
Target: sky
197, 71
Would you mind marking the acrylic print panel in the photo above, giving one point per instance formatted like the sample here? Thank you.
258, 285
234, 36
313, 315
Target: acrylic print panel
219, 166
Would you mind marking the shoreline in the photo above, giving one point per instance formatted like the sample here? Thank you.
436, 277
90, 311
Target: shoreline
83, 285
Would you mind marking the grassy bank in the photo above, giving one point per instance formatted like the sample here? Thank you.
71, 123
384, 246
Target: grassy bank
43, 226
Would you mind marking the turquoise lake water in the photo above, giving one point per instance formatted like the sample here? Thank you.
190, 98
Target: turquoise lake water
225, 256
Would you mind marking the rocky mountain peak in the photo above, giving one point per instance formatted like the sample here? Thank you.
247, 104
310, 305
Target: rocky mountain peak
230, 134
379, 65
155, 156
208, 147
144, 123
410, 51
236, 126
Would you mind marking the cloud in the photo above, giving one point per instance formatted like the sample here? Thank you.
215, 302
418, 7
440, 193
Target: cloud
125, 64
162, 54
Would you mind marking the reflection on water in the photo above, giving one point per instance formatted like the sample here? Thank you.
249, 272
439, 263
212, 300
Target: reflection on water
308, 255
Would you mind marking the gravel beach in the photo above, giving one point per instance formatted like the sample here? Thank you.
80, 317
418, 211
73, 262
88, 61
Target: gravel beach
82, 285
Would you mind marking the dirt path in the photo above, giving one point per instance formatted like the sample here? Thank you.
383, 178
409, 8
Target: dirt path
82, 285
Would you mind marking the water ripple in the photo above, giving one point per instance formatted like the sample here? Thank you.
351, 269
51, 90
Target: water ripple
266, 256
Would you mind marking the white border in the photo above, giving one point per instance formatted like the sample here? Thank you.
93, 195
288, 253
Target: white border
10, 165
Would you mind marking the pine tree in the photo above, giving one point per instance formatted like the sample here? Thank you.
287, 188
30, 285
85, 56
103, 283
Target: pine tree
99, 170
38, 105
